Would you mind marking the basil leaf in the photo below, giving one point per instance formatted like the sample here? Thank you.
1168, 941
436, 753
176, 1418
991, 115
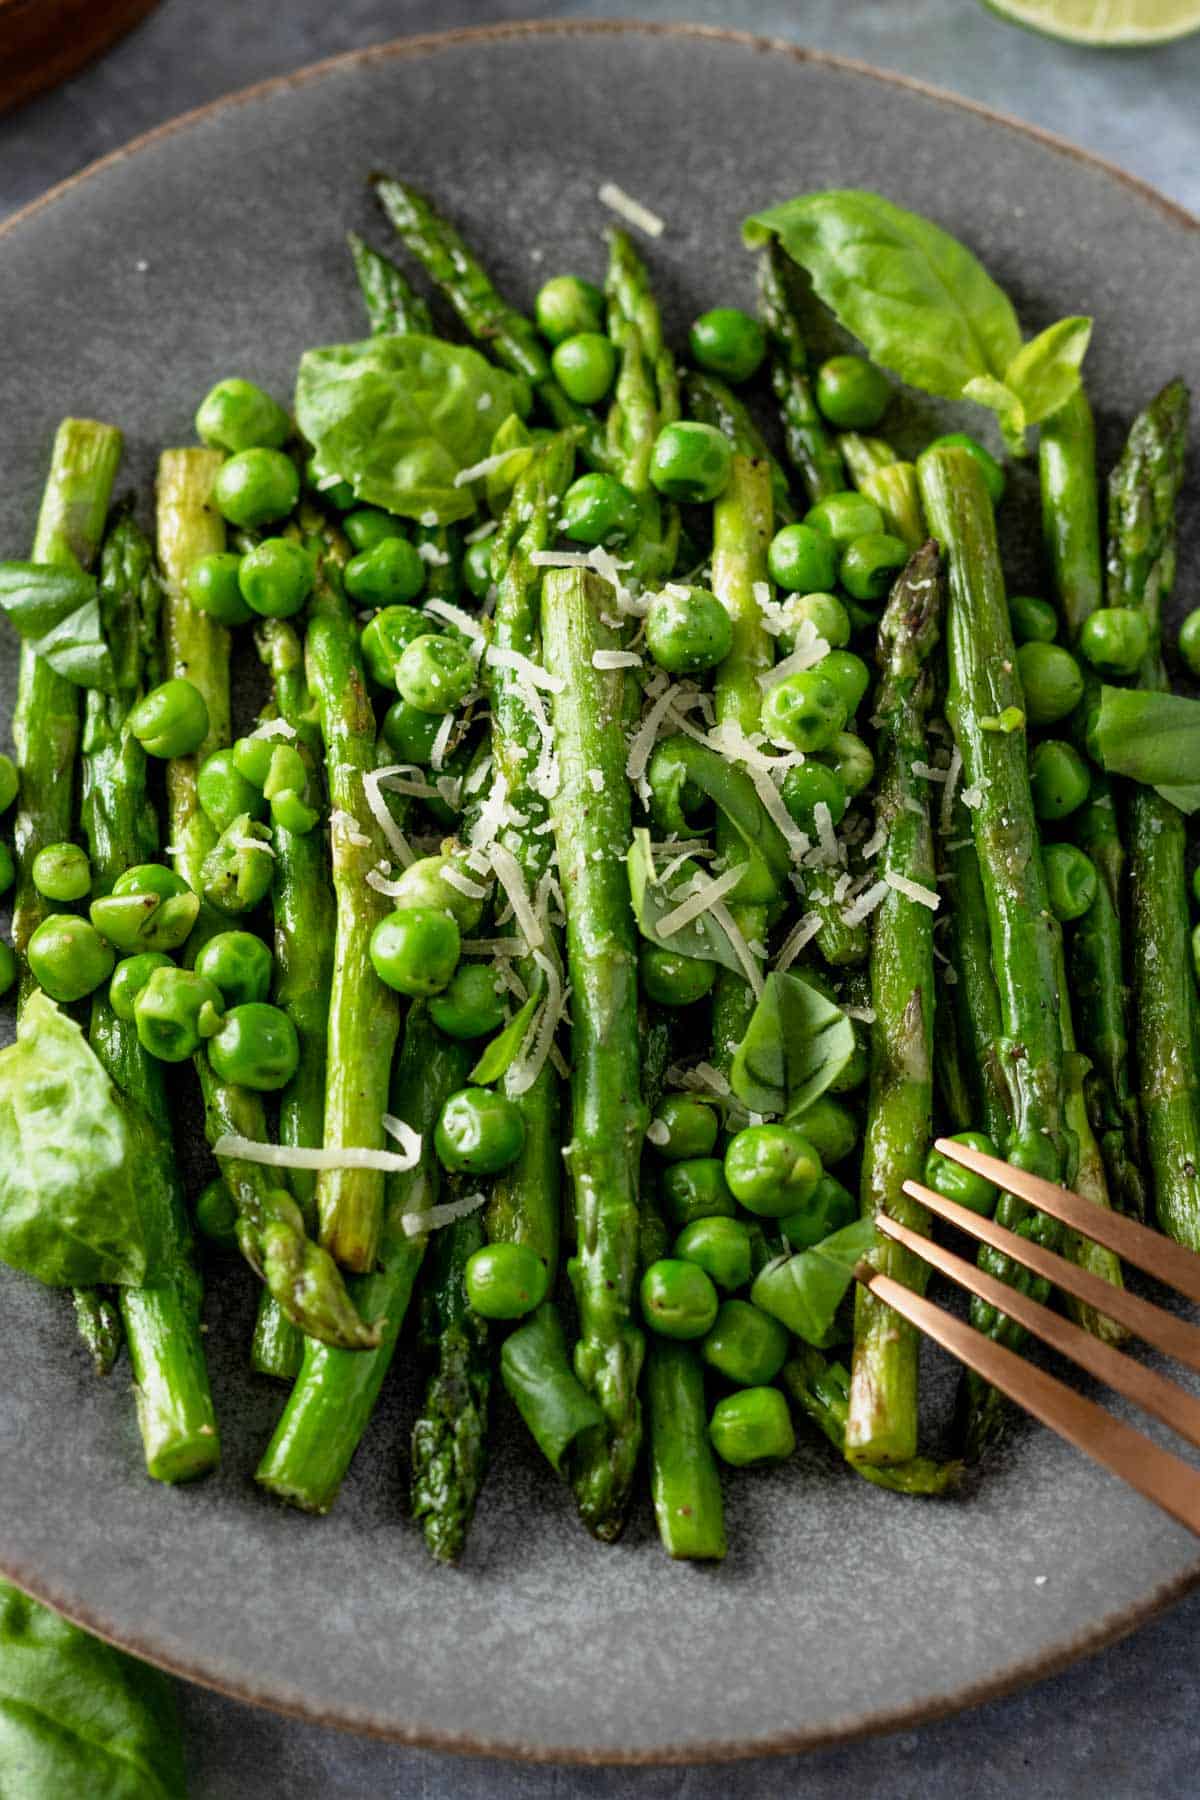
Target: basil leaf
76, 1161
680, 761
805, 1291
77, 1716
917, 298
400, 417
501, 1050
56, 609
704, 939
1153, 738
1045, 372
796, 1045
543, 1386
999, 398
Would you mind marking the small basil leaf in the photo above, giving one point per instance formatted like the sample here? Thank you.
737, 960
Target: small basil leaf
1045, 372
805, 1291
502, 1050
548, 1394
999, 398
796, 1045
704, 939
678, 762
1153, 738
56, 610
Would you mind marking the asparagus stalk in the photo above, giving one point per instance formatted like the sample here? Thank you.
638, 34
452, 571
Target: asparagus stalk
592, 831
645, 398
391, 303
449, 1439
881, 1425
974, 998
302, 904
712, 403
684, 1484
982, 683
336, 1390
484, 313
162, 1323
878, 473
301, 1276
1141, 567
821, 1391
810, 450
742, 523
364, 1014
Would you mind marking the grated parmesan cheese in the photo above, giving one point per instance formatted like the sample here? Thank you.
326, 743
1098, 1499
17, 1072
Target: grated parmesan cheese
454, 615
797, 841
274, 728
741, 948
705, 895
429, 553
810, 649
397, 842
508, 873
531, 674
414, 1224
800, 935
946, 816
291, 1156
865, 905
629, 209
488, 466
472, 889
826, 837
489, 526
913, 890
874, 843
616, 659
658, 1132
347, 824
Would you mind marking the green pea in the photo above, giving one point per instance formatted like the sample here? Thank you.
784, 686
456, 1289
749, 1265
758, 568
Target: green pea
150, 907
690, 462
62, 872
771, 1169
1052, 682
688, 630
852, 393
410, 732
599, 509
256, 1047
256, 487
424, 883
871, 563
434, 673
252, 758
477, 568
1114, 639
239, 964
237, 872
338, 494
828, 1208
567, 305
1059, 778
479, 1132
387, 636
953, 1182
8, 869
804, 711
130, 977
752, 1426
584, 366
1071, 881
802, 559
696, 1189
678, 1299
238, 415
1034, 1152
368, 526
812, 785
9, 782
824, 613
505, 1281
842, 518
472, 1005
721, 1247
213, 588
729, 342
416, 950
286, 772
849, 675
691, 1128
1034, 621
670, 979
171, 720
276, 578
216, 1214
224, 792
830, 1128
1189, 646
68, 957
993, 474
8, 966
175, 1012
289, 812
392, 570
745, 1345
851, 760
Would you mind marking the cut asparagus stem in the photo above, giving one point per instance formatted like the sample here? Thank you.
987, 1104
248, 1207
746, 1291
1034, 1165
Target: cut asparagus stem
391, 303
684, 1483
712, 403
810, 449
645, 398
820, 1390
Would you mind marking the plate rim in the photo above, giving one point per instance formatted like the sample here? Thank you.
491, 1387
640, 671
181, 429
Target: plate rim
1109, 1628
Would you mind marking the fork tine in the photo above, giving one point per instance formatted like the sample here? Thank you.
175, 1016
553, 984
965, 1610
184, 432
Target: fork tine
1149, 1250
1145, 1387
1175, 1336
1155, 1473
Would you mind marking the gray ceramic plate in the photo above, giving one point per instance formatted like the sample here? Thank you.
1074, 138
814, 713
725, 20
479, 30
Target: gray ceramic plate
215, 245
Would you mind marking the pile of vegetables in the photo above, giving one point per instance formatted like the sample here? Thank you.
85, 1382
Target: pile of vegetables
660, 823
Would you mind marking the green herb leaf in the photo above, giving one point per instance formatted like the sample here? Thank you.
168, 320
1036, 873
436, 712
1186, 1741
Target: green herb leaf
805, 1291
56, 609
1153, 738
1045, 372
77, 1716
704, 939
400, 417
501, 1050
76, 1161
680, 762
547, 1393
999, 398
796, 1045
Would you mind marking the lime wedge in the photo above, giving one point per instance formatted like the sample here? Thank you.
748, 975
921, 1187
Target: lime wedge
1108, 24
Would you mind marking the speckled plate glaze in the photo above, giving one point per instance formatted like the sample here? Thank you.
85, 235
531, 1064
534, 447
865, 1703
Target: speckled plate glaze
215, 245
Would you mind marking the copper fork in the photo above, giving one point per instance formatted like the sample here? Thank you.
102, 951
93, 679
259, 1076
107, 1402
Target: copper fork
1156, 1473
